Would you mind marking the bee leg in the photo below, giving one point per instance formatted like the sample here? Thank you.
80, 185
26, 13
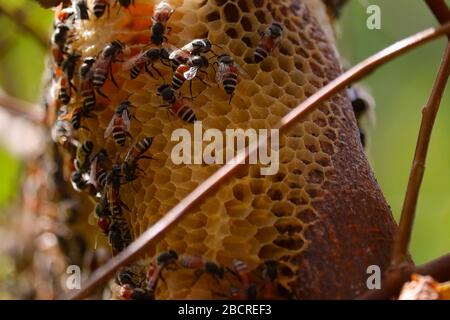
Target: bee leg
85, 128
165, 63
149, 72
231, 98
134, 188
197, 275
233, 272
190, 89
145, 157
158, 72
112, 76
213, 66
122, 204
72, 86
203, 81
102, 94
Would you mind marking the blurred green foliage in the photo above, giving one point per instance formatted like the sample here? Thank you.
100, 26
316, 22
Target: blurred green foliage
401, 89
22, 60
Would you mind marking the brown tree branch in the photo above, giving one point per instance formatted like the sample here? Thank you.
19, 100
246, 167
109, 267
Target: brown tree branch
19, 20
392, 283
429, 113
440, 10
20, 108
155, 232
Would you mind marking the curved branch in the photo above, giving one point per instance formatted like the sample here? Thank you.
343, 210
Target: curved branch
20, 108
439, 269
429, 113
155, 232
440, 10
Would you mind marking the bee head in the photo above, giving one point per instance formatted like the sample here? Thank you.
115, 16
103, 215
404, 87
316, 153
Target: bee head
225, 59
276, 29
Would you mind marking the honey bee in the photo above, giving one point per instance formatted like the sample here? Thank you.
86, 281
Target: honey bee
76, 116
245, 277
136, 152
103, 214
198, 46
363, 105
237, 294
61, 132
97, 172
119, 125
131, 286
63, 14
84, 151
100, 6
113, 190
64, 86
65, 74
86, 88
202, 266
188, 72
154, 273
69, 65
162, 14
81, 9
103, 65
128, 292
179, 107
270, 39
119, 235
145, 59
177, 56
78, 182
125, 3
193, 48
270, 290
60, 38
228, 74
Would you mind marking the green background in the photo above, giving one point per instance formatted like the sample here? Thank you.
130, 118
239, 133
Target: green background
401, 89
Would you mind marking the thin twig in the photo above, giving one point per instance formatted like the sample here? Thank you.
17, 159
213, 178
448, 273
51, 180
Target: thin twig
440, 10
19, 20
394, 280
155, 232
20, 108
429, 113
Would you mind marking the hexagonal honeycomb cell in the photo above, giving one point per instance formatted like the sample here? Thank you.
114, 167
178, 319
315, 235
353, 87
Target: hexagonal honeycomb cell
300, 217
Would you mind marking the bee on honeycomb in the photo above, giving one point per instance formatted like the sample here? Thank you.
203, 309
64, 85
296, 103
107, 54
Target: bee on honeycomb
312, 218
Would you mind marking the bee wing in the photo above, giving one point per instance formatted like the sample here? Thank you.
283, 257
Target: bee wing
244, 74
174, 53
93, 172
110, 127
137, 59
191, 73
169, 47
220, 72
126, 119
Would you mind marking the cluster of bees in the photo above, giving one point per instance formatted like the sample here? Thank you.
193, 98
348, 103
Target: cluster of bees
132, 287
93, 172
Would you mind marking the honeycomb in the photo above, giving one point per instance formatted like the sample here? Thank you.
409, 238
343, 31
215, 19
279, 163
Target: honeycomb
322, 217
